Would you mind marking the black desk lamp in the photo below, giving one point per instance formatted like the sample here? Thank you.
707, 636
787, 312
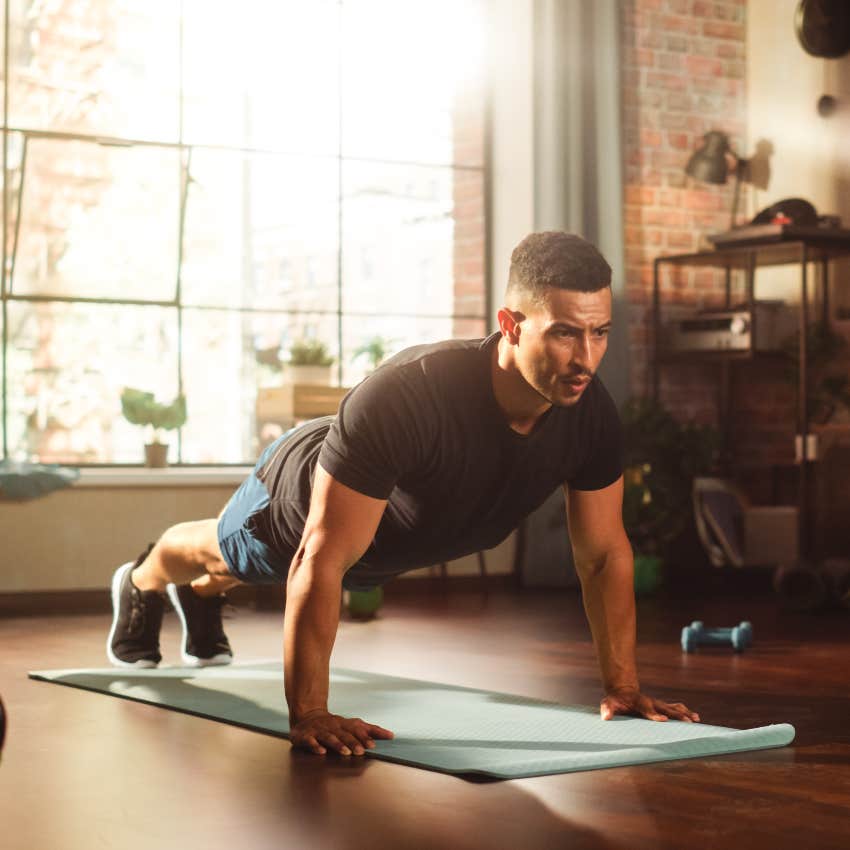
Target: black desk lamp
710, 164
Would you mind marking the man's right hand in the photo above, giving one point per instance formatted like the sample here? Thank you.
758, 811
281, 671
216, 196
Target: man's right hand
320, 730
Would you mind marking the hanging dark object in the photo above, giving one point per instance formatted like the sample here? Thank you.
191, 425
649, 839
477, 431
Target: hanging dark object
823, 27
827, 105
711, 164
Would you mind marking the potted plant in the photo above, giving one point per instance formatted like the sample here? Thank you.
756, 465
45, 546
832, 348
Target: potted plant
140, 408
375, 350
310, 362
662, 457
363, 604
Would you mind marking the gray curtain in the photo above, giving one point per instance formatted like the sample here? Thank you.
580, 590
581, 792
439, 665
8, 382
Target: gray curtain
578, 144
578, 188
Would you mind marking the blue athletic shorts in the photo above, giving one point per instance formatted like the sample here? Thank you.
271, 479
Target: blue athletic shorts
247, 558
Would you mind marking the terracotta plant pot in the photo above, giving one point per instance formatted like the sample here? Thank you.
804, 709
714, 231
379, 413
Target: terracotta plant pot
156, 455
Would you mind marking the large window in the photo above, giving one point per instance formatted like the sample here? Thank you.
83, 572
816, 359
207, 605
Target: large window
189, 185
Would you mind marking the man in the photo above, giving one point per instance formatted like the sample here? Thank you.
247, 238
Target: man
439, 453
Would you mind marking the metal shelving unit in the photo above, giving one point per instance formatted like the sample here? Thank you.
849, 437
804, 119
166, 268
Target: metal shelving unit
820, 248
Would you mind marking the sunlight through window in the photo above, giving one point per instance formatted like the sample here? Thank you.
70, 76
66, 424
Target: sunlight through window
194, 188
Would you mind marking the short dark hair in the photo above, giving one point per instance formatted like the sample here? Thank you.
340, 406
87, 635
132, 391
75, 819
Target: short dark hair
556, 259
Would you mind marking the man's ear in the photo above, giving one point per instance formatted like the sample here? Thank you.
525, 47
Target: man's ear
509, 324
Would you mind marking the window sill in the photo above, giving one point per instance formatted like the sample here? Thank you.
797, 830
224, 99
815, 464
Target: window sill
172, 476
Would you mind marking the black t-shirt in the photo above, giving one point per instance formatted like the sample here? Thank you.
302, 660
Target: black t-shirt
425, 432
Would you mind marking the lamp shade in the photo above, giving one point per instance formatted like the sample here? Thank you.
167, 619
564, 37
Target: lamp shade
709, 163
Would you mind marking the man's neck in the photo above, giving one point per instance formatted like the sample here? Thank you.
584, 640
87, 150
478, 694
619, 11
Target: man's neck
521, 405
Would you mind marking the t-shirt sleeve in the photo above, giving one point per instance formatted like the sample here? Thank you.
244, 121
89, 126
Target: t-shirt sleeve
604, 463
376, 437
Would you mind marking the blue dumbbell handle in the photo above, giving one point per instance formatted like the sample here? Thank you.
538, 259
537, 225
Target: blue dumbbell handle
714, 635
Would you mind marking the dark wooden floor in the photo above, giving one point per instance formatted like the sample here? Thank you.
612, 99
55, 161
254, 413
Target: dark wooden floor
82, 770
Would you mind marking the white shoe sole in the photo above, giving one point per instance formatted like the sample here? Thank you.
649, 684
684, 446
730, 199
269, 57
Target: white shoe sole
117, 578
192, 660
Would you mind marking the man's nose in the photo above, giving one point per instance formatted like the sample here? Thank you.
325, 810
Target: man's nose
583, 354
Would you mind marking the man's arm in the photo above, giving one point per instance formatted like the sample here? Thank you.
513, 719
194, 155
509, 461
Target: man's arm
340, 526
605, 566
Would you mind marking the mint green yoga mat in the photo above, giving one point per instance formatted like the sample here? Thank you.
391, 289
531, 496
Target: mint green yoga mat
437, 727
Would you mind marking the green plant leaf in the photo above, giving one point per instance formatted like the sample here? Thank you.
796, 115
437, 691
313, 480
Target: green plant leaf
140, 408
375, 350
310, 352
662, 457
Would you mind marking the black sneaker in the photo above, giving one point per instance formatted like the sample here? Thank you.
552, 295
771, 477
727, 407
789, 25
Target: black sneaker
204, 642
136, 619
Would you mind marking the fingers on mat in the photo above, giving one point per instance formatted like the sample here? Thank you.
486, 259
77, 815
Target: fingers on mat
334, 743
352, 742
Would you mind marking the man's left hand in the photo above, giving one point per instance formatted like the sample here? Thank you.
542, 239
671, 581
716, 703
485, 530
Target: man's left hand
632, 701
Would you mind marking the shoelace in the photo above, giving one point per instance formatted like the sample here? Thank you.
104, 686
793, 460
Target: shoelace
136, 625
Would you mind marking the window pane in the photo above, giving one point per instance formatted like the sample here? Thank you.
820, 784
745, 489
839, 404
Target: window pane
223, 354
261, 231
262, 75
97, 221
413, 80
68, 364
391, 334
396, 87
107, 67
413, 240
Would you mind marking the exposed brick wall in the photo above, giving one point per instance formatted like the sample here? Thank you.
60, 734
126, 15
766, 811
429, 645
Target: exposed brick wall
684, 68
468, 259
468, 195
683, 74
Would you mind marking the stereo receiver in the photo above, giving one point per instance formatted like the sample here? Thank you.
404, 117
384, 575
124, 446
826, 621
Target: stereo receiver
732, 330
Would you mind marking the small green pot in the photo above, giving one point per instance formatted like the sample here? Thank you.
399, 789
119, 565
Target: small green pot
364, 604
647, 574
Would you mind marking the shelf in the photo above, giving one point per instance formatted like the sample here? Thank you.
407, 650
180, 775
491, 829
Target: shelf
764, 254
689, 357
798, 248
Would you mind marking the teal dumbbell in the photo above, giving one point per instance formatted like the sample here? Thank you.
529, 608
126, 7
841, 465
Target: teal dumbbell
694, 635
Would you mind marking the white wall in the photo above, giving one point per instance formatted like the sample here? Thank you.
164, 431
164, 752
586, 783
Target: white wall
74, 539
811, 154
783, 86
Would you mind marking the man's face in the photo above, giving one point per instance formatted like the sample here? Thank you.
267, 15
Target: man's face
562, 342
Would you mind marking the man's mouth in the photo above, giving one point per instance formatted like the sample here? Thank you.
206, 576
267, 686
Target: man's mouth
577, 383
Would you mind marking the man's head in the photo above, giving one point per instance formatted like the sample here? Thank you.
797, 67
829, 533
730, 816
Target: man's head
557, 314
555, 260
